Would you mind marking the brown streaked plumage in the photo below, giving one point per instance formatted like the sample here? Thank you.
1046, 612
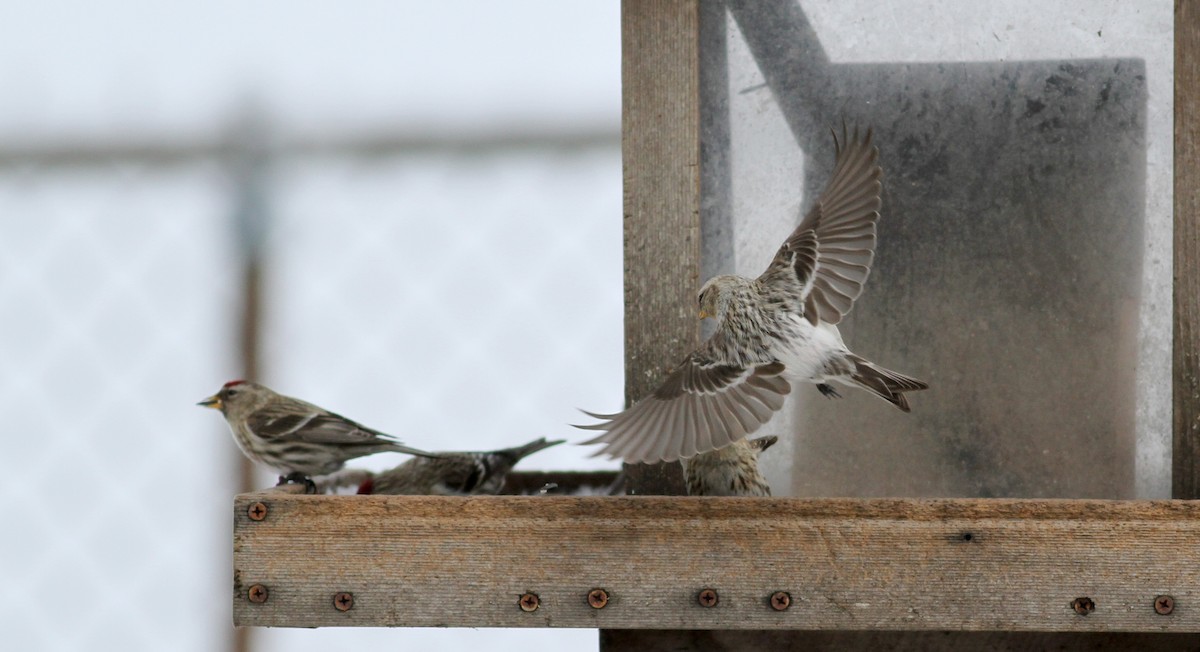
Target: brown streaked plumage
729, 471
292, 436
771, 331
449, 474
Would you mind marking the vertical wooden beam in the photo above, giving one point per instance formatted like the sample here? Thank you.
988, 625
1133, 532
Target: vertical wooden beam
248, 339
660, 143
248, 163
658, 128
1185, 482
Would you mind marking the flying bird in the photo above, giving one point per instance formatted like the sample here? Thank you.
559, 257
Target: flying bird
772, 331
296, 438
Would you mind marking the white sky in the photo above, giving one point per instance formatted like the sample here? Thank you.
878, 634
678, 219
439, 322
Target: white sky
124, 66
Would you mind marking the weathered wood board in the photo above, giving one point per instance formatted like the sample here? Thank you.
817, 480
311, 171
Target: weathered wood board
660, 152
883, 564
1186, 334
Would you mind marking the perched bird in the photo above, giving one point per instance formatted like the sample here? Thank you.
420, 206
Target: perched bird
771, 331
729, 471
448, 474
296, 438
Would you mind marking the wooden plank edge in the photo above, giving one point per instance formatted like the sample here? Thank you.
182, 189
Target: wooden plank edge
884, 564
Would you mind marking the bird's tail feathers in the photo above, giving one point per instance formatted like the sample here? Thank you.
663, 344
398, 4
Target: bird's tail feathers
517, 453
397, 447
885, 383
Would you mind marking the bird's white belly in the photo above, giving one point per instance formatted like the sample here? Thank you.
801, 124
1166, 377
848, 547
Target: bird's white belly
805, 354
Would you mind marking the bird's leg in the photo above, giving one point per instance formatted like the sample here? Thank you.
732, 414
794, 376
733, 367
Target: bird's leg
828, 391
296, 477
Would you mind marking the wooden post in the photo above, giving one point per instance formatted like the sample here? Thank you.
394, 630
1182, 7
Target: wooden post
660, 146
647, 136
1185, 479
248, 162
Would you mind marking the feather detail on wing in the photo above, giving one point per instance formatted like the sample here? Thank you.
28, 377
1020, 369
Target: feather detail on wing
841, 228
700, 407
314, 425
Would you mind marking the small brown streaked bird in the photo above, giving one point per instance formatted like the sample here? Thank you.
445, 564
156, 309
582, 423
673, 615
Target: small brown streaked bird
295, 437
772, 331
729, 471
448, 474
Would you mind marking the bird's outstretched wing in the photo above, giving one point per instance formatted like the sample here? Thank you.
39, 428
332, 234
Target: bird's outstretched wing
708, 403
702, 405
828, 256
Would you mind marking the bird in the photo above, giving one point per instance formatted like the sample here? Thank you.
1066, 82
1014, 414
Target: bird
771, 331
729, 471
297, 438
448, 474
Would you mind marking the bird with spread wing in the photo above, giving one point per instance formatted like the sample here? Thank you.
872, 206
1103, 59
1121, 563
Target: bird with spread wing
772, 331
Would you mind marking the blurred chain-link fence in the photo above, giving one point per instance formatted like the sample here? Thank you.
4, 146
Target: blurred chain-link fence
458, 296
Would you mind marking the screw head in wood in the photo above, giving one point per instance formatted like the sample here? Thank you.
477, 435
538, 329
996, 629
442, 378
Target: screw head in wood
1083, 606
343, 601
257, 594
707, 598
598, 598
780, 600
1164, 605
256, 511
529, 602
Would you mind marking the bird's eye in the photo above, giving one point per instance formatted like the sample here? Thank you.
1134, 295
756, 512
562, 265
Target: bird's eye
230, 392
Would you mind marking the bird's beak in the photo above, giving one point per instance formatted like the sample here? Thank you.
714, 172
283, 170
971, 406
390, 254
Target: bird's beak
211, 402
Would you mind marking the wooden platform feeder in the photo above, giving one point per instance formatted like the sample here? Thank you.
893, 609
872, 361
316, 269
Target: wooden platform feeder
664, 572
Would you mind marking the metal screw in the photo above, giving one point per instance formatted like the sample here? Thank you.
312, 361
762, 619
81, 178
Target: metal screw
257, 594
343, 601
529, 602
781, 600
257, 511
598, 598
1083, 606
707, 598
1164, 605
